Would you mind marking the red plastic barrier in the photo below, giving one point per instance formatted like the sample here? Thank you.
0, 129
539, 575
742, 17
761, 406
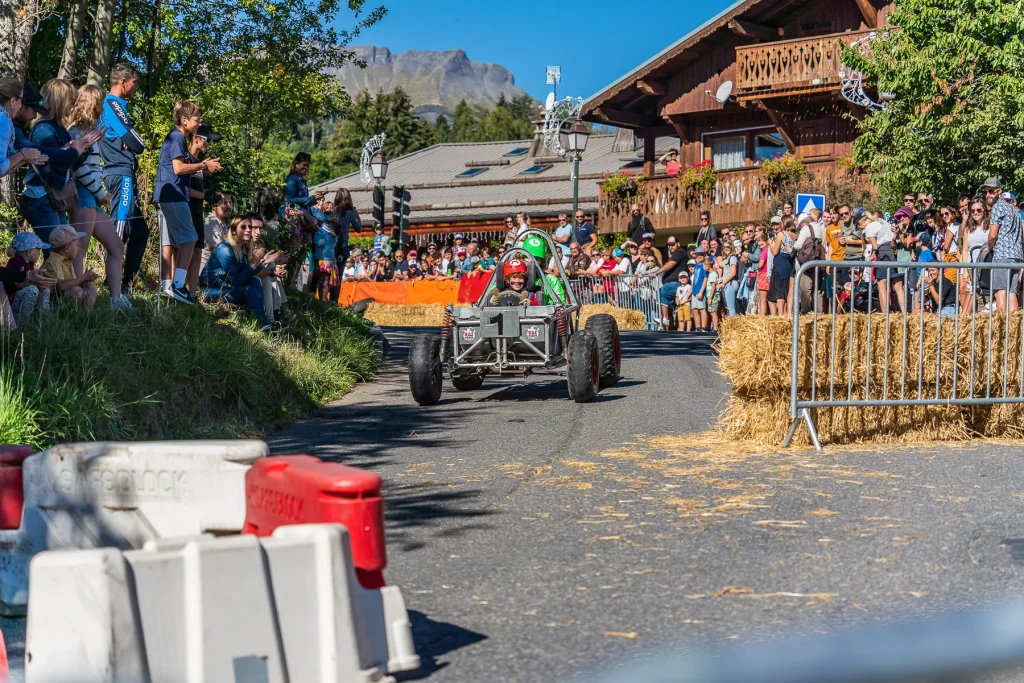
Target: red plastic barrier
300, 489
5, 672
12, 492
472, 285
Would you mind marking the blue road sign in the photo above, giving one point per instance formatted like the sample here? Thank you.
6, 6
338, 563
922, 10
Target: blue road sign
806, 202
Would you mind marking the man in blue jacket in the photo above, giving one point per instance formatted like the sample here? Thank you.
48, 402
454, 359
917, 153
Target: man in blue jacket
119, 149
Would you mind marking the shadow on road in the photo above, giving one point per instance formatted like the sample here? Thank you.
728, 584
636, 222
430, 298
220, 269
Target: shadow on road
433, 639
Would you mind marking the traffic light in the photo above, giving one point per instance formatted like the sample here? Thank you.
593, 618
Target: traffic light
406, 204
378, 205
396, 205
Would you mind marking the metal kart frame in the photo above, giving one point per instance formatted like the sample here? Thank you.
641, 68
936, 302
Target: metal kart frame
533, 315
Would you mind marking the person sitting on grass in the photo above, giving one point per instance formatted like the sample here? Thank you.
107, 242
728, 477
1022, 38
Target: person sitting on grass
228, 275
274, 297
64, 246
514, 274
25, 251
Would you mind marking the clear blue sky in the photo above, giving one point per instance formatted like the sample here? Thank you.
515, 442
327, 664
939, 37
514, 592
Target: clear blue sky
594, 42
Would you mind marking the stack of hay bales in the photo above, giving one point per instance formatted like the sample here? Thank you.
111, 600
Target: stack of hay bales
388, 315
843, 357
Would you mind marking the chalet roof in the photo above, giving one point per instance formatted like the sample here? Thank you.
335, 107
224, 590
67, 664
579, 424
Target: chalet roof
626, 94
438, 195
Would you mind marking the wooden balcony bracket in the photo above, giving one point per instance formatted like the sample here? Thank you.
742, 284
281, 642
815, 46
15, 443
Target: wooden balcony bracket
869, 12
778, 119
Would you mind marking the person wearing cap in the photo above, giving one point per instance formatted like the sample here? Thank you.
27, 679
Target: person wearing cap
698, 298
119, 149
32, 294
669, 273
171, 193
462, 263
197, 148
459, 240
1004, 241
64, 245
11, 104
647, 247
40, 181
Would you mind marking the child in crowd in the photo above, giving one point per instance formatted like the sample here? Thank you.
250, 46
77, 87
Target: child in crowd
683, 294
64, 247
326, 268
379, 240
714, 293
487, 261
25, 251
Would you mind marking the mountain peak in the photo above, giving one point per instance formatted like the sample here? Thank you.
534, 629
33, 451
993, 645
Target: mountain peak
438, 78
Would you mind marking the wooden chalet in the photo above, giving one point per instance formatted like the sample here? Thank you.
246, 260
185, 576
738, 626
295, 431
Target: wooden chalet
782, 60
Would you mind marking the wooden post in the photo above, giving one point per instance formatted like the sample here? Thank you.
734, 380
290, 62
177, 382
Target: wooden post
649, 160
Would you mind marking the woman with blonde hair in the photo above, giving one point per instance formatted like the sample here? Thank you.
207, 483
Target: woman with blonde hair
89, 216
229, 275
43, 212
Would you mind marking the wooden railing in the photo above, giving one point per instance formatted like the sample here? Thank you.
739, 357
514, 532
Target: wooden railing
791, 66
739, 196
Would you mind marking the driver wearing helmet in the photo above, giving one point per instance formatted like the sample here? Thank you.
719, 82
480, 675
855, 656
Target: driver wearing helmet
514, 275
536, 247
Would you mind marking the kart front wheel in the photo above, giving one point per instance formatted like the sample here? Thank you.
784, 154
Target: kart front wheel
583, 367
609, 348
425, 377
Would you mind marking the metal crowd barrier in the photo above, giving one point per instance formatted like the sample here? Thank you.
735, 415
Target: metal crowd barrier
932, 370
633, 292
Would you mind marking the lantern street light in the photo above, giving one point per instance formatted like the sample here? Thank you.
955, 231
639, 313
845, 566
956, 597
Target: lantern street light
379, 167
576, 143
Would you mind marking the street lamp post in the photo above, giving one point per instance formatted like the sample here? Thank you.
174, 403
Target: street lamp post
576, 143
379, 171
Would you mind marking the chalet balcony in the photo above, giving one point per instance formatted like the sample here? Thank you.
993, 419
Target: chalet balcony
740, 195
792, 67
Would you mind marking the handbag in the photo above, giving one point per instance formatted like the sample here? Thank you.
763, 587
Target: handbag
63, 199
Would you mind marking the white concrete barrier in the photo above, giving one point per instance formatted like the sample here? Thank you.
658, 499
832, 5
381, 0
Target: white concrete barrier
204, 610
122, 495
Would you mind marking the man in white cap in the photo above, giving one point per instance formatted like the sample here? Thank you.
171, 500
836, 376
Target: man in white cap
1004, 239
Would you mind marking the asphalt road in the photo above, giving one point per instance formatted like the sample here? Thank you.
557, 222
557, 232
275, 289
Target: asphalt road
536, 539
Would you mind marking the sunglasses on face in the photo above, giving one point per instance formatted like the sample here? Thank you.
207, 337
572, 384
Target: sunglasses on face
978, 211
844, 214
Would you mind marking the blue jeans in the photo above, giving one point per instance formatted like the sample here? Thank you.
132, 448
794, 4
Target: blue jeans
668, 293
249, 295
730, 296
42, 217
948, 311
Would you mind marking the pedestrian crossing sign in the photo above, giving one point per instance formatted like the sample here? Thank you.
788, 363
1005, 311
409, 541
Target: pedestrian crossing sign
806, 202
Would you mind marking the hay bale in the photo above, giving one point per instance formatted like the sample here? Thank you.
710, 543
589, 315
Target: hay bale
766, 419
755, 355
393, 315
626, 318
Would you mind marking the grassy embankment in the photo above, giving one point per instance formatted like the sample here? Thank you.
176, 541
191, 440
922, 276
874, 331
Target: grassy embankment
187, 372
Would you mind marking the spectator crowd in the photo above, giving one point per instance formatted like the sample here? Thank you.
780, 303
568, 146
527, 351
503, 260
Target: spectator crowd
80, 152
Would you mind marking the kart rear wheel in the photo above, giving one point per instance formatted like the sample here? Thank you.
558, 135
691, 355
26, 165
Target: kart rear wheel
583, 376
425, 376
609, 348
467, 382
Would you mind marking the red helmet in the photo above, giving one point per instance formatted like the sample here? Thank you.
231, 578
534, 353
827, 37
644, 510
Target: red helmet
515, 266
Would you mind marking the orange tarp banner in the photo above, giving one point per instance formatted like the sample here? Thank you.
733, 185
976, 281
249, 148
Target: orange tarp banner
442, 292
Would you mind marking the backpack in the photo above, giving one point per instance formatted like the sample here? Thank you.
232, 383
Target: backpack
811, 250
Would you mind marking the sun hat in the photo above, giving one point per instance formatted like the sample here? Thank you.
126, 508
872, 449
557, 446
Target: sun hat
993, 182
459, 236
776, 220
460, 250
700, 250
63, 235
26, 241
647, 236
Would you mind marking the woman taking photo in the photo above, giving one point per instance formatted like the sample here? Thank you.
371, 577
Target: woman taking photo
300, 210
780, 293
973, 242
10, 105
45, 200
89, 216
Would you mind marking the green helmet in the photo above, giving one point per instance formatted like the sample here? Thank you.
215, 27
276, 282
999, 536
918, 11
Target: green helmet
535, 246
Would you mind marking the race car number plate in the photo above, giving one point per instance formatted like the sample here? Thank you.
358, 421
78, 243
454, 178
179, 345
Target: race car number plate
499, 322
533, 333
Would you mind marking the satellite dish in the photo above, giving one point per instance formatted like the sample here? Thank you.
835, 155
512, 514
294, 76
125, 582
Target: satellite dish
549, 101
724, 93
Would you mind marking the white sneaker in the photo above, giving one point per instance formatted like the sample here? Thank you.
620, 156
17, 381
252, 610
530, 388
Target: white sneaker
121, 303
